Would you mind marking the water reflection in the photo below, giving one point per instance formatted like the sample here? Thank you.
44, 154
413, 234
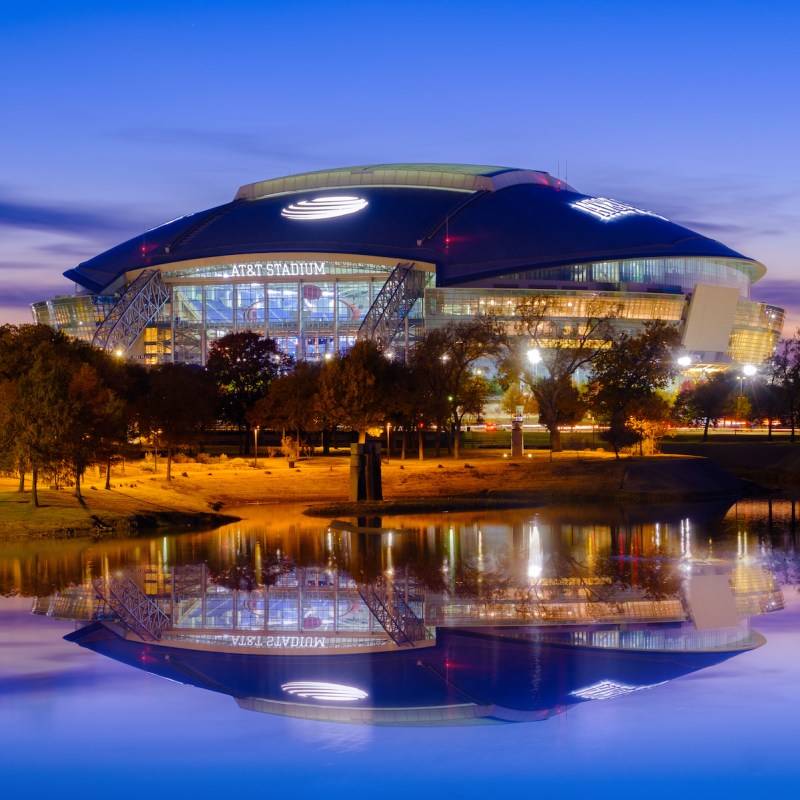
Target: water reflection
763, 530
437, 619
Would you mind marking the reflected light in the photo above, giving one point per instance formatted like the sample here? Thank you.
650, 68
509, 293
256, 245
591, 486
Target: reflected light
606, 690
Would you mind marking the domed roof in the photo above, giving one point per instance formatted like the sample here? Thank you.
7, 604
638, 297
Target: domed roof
472, 222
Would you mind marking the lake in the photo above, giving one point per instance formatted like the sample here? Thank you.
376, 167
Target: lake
74, 721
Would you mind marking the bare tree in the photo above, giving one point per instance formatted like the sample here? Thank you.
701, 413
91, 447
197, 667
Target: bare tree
444, 366
565, 334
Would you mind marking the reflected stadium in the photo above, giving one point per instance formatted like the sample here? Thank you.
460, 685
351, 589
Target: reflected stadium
316, 642
320, 259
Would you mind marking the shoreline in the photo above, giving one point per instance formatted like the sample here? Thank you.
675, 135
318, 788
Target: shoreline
140, 498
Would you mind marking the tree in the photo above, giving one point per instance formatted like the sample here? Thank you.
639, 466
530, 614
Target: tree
18, 343
514, 397
44, 412
127, 382
625, 379
784, 369
650, 420
178, 403
67, 413
357, 388
565, 339
9, 456
243, 365
92, 406
412, 409
291, 402
767, 402
706, 400
444, 365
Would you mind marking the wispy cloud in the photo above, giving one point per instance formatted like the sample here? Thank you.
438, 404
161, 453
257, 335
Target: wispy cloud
50, 217
706, 203
24, 295
780, 292
271, 144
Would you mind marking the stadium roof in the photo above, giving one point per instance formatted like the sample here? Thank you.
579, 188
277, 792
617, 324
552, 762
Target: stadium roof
472, 222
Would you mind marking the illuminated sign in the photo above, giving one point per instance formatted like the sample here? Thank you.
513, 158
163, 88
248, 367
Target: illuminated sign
324, 208
278, 269
318, 690
605, 209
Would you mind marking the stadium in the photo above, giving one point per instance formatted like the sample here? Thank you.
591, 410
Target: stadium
320, 259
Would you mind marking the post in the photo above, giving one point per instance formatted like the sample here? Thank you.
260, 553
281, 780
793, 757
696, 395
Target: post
516, 439
365, 472
255, 443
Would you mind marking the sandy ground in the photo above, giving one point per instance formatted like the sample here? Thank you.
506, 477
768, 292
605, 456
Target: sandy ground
200, 490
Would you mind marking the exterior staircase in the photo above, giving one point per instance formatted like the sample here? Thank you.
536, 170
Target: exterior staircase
142, 300
391, 610
393, 303
136, 610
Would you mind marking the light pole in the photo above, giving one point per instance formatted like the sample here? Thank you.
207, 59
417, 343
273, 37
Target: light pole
388, 442
535, 357
255, 443
748, 370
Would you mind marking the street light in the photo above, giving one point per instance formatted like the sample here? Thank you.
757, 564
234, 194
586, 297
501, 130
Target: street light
255, 442
748, 370
535, 357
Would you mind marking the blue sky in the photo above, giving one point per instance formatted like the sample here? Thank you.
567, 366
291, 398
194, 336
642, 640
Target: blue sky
120, 116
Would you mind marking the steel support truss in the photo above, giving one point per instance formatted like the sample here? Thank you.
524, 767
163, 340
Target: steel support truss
139, 304
136, 610
392, 305
395, 616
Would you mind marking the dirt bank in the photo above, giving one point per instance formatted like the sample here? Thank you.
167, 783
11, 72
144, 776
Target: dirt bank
199, 494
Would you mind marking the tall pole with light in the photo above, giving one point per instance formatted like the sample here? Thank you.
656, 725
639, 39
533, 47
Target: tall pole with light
535, 357
255, 443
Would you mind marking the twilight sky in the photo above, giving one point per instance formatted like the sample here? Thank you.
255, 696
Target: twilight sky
119, 116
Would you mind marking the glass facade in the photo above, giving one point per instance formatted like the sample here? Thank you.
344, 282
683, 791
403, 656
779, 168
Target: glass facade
76, 315
313, 305
565, 309
648, 274
756, 330
312, 308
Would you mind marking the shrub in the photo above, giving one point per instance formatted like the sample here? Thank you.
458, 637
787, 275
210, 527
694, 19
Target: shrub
290, 448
